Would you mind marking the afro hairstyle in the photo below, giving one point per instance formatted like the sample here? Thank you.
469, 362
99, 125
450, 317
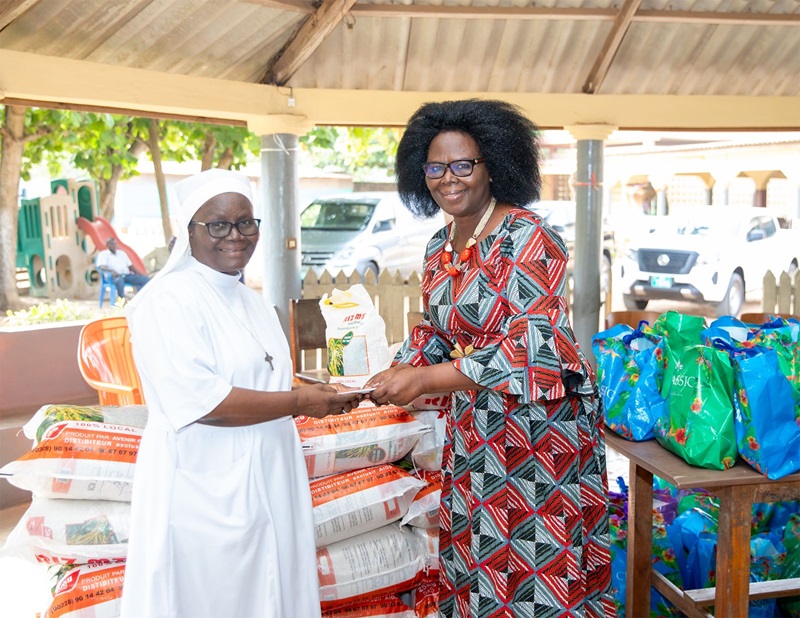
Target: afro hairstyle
507, 139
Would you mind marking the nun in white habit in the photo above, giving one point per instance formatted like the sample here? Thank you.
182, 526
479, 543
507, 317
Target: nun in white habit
221, 521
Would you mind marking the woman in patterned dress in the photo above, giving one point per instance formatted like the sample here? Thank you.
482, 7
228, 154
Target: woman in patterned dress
524, 524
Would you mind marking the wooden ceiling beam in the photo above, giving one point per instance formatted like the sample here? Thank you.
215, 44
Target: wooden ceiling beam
611, 46
313, 31
543, 13
11, 9
722, 19
122, 111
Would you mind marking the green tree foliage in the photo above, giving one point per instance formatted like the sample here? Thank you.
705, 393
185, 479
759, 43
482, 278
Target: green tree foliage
107, 147
362, 152
222, 146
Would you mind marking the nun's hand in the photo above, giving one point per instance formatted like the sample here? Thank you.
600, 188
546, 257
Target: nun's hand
319, 400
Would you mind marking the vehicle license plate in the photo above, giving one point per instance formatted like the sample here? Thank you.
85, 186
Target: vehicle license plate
660, 281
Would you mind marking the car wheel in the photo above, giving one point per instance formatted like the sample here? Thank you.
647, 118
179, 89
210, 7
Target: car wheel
634, 304
734, 297
373, 268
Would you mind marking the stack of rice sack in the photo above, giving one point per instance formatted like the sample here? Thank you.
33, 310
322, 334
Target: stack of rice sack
366, 557
425, 461
708, 395
389, 451
80, 472
684, 546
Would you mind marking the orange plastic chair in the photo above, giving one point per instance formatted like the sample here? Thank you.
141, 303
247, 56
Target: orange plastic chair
105, 359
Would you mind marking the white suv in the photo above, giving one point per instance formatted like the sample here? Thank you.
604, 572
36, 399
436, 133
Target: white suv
364, 231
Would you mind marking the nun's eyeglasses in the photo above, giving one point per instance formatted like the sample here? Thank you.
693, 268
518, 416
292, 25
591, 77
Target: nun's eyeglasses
222, 229
460, 168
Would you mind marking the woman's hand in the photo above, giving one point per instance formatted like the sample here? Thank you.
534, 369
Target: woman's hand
319, 400
398, 385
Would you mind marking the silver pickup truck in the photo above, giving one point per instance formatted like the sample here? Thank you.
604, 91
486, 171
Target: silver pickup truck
716, 255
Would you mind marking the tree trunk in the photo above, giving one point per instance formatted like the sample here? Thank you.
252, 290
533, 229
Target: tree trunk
225, 160
208, 152
108, 187
161, 183
13, 133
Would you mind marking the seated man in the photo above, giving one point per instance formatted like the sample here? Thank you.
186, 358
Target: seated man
119, 265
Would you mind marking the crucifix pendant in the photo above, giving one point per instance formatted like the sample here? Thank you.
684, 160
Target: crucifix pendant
268, 359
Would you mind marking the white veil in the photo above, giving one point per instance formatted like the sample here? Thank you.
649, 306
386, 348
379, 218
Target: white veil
193, 192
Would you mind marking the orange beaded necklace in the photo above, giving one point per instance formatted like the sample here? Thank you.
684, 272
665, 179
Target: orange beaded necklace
447, 253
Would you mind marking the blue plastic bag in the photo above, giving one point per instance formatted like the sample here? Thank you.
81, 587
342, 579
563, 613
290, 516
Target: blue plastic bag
767, 557
629, 373
766, 421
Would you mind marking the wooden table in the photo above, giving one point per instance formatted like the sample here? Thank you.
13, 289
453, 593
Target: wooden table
737, 490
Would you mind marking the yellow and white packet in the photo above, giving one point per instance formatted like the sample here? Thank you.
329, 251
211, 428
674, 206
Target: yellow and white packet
356, 335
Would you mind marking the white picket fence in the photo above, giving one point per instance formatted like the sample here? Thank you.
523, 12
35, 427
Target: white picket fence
393, 295
781, 295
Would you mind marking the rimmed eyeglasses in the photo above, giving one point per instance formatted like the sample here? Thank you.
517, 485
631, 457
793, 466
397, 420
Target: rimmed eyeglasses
460, 168
222, 229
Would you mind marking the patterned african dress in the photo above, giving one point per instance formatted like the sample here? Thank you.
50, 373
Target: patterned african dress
524, 511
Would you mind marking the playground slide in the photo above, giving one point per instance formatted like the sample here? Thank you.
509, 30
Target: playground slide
100, 231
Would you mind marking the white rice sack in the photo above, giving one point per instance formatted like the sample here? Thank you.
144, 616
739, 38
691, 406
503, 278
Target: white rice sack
381, 606
356, 335
429, 541
437, 401
386, 560
71, 532
78, 460
368, 436
426, 596
352, 503
131, 416
424, 510
88, 591
427, 452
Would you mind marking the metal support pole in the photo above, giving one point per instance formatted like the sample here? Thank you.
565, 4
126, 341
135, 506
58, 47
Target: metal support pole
588, 243
280, 230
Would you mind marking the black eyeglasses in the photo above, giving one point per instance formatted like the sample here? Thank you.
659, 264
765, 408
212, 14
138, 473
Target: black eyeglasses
460, 168
222, 229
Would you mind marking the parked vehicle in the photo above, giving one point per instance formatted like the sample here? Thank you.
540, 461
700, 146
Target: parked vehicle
717, 255
363, 231
560, 214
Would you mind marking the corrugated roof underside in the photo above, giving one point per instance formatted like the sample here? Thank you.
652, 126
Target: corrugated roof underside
235, 40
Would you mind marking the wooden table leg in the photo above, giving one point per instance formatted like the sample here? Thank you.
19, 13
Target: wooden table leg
733, 552
640, 543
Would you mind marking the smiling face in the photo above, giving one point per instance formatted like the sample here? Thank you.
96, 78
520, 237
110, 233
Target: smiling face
232, 253
465, 196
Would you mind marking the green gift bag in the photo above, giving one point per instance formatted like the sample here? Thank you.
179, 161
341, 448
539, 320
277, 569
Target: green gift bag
698, 387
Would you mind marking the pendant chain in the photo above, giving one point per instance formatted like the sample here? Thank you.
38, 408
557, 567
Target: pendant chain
454, 268
250, 328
